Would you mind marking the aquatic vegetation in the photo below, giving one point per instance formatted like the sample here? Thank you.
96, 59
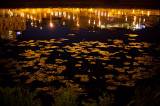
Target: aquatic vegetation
147, 95
65, 96
18, 96
104, 100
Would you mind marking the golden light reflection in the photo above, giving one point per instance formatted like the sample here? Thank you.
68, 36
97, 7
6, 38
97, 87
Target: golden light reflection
36, 68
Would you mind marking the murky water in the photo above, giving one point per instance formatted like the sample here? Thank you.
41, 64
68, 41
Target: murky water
92, 50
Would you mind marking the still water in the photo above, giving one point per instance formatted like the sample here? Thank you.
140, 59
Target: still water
93, 50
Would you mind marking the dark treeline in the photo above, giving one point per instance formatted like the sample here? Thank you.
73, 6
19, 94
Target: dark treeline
81, 3
78, 0
59, 0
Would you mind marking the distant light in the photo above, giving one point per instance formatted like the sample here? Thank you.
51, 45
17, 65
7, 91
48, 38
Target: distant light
18, 33
60, 14
22, 14
77, 24
101, 13
98, 13
91, 10
64, 23
89, 21
49, 10
144, 20
51, 24
40, 28
126, 18
134, 18
77, 9
119, 12
33, 11
105, 14
142, 12
139, 19
99, 23
139, 26
103, 26
31, 17
148, 13
73, 17
95, 11
64, 14
94, 22
69, 16
56, 13
51, 13
28, 16
144, 26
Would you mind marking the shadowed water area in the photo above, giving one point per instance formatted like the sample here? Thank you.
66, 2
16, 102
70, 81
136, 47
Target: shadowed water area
92, 50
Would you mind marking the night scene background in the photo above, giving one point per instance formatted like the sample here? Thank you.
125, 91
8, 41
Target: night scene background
79, 53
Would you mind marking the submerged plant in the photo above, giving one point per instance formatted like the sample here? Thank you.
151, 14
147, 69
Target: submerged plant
18, 96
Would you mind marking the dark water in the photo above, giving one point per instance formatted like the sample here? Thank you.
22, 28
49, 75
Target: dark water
92, 50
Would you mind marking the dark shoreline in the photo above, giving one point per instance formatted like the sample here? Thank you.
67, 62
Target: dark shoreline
125, 4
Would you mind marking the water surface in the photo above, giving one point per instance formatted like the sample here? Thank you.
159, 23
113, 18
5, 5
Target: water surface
93, 50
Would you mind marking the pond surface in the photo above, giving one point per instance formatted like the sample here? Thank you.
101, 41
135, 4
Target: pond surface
93, 50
